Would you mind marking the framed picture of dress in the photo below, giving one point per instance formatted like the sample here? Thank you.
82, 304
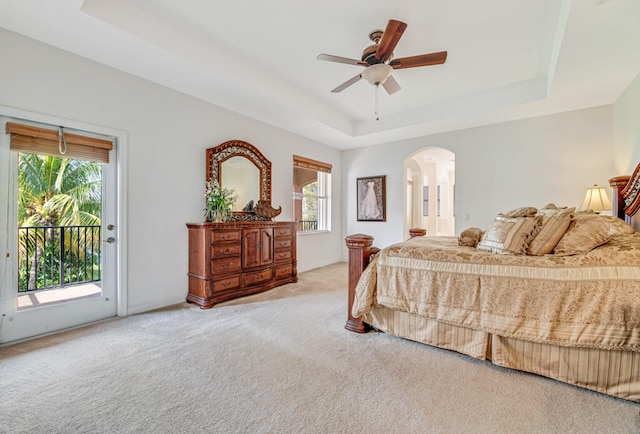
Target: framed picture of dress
371, 199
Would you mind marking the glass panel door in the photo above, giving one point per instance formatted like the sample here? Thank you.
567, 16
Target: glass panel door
61, 214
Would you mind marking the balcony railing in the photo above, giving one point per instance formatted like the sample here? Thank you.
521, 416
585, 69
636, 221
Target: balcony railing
57, 256
308, 225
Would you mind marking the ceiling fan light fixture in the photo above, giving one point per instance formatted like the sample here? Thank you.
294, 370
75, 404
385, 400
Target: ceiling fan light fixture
377, 74
379, 62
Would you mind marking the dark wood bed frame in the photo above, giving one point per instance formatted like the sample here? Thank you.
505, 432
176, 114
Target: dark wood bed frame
626, 203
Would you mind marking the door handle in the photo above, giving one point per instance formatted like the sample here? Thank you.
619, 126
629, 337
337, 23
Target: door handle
110, 240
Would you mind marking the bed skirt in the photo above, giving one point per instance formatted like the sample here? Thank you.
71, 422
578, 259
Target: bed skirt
613, 372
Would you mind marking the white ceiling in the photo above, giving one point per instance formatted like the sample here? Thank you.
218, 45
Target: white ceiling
508, 59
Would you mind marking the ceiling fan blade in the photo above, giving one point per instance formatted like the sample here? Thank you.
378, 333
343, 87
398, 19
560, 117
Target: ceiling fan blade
347, 83
390, 39
419, 60
391, 85
332, 58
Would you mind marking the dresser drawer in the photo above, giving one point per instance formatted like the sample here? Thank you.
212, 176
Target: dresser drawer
221, 236
225, 250
282, 243
228, 283
283, 232
256, 277
225, 265
283, 271
282, 255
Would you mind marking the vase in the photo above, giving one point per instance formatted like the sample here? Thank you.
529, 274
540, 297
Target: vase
216, 216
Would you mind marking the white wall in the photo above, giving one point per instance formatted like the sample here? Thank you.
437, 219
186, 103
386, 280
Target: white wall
626, 129
498, 167
168, 134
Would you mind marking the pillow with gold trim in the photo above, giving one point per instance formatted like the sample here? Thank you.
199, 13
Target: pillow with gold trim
582, 236
617, 226
550, 206
553, 225
509, 236
523, 211
588, 231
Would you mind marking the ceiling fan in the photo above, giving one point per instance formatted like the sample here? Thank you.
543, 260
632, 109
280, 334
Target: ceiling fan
379, 62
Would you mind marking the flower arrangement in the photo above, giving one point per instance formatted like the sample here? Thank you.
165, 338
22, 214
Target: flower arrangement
219, 201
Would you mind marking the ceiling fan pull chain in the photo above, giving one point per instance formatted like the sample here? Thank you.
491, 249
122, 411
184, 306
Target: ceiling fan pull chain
61, 139
377, 116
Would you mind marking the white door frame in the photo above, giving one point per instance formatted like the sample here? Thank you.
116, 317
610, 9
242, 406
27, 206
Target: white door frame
120, 160
432, 222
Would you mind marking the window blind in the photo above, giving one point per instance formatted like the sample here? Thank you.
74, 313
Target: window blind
307, 163
36, 140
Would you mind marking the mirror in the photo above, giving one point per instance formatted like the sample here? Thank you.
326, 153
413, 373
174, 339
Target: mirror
239, 165
244, 177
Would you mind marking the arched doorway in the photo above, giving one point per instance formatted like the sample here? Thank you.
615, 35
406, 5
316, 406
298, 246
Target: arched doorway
430, 191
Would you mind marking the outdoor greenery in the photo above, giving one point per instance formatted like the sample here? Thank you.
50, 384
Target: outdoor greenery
310, 202
58, 192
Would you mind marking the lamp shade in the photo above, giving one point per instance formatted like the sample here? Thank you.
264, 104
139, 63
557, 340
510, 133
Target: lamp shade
377, 74
596, 199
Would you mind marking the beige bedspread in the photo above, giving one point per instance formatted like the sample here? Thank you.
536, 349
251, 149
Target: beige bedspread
590, 300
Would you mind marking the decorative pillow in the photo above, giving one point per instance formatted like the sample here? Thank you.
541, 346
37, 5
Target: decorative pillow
553, 211
550, 206
524, 211
586, 211
614, 225
509, 235
588, 231
553, 225
582, 236
470, 237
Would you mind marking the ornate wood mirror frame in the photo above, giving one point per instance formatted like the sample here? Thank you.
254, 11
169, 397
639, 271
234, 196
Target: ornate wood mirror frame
216, 156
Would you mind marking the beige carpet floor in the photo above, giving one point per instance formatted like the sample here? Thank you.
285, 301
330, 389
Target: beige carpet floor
277, 362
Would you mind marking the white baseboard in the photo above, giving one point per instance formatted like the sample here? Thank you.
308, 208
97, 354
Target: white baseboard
318, 265
156, 304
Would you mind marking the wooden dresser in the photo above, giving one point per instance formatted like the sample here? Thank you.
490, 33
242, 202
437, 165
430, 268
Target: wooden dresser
234, 259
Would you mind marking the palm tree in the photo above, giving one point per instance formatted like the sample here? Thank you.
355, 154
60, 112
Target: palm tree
55, 191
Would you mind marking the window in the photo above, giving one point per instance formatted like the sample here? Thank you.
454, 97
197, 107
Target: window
311, 201
425, 201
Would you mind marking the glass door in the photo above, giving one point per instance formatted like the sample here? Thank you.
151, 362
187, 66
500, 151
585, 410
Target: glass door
61, 269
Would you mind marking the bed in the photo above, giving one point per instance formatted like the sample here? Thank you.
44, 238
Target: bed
571, 315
